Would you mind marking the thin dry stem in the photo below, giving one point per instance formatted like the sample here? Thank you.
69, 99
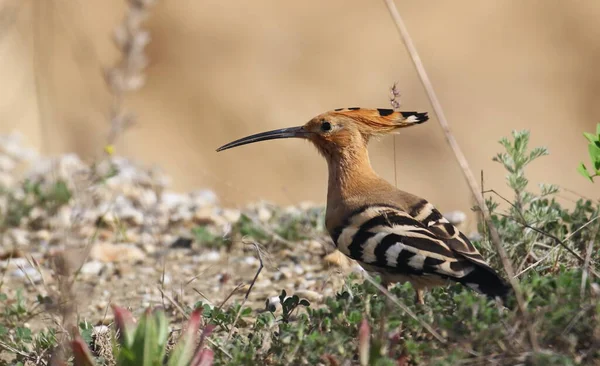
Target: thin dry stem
260, 268
14, 350
588, 257
395, 102
233, 292
186, 316
460, 157
404, 308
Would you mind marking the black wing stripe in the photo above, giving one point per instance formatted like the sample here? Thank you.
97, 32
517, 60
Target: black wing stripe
391, 219
381, 250
431, 264
356, 247
450, 229
459, 266
418, 207
434, 216
468, 243
403, 265
422, 244
335, 235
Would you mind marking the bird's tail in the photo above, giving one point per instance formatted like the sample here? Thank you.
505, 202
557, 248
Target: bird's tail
486, 281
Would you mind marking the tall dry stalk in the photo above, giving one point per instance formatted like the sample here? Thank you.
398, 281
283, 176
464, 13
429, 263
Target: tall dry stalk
462, 161
127, 75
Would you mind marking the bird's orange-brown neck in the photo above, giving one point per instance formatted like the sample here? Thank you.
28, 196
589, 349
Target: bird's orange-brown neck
350, 174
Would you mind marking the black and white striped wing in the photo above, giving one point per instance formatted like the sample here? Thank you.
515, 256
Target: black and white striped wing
387, 237
430, 217
399, 242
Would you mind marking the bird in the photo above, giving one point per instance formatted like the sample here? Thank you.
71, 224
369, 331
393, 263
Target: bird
395, 234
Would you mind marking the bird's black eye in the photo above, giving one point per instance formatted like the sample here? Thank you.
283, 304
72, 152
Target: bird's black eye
325, 126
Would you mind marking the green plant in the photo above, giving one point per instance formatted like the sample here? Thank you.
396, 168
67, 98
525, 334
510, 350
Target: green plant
206, 238
246, 227
34, 194
299, 225
532, 224
222, 318
145, 342
290, 304
594, 151
15, 334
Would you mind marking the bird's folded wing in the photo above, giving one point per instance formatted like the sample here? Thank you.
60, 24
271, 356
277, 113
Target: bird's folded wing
431, 218
417, 242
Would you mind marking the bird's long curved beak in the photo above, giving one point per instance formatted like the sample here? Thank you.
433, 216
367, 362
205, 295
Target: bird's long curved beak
281, 133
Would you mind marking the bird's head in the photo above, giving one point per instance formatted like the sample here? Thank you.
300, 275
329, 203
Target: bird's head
340, 129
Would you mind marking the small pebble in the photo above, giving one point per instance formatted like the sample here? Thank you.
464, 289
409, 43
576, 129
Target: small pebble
92, 268
232, 215
165, 280
182, 243
108, 252
264, 215
212, 256
27, 272
272, 302
251, 261
19, 237
315, 247
309, 295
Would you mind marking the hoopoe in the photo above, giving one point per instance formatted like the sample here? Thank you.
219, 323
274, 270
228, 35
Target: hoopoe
393, 233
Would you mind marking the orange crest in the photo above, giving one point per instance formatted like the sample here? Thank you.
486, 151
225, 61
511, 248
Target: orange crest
381, 119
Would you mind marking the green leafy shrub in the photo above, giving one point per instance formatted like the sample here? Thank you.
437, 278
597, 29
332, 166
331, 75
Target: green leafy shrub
594, 151
206, 238
535, 228
30, 195
15, 335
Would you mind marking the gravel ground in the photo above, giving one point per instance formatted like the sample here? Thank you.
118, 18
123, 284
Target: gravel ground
134, 243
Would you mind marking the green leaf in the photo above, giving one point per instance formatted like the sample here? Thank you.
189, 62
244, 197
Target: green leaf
591, 137
86, 331
162, 325
288, 303
594, 151
184, 350
282, 296
148, 341
583, 171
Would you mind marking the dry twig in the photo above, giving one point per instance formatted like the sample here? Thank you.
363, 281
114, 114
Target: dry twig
460, 157
186, 316
588, 257
127, 75
260, 267
404, 308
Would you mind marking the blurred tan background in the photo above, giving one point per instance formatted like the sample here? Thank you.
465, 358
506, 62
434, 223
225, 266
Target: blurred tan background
221, 70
